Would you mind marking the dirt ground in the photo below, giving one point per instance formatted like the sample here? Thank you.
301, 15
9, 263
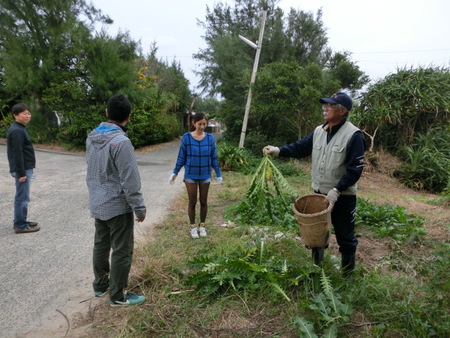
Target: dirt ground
376, 184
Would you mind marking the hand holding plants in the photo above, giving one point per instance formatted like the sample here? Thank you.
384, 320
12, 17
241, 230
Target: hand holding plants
271, 150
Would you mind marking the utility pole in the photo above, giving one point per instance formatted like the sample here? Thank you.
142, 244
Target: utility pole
256, 46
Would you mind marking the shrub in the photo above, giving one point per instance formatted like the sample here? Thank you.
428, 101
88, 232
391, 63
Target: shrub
427, 162
148, 127
75, 130
5, 123
231, 157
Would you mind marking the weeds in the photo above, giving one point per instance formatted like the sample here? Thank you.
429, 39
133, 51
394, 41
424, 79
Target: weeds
226, 285
388, 220
249, 270
329, 309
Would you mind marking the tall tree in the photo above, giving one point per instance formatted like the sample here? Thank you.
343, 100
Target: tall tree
110, 66
41, 38
286, 100
226, 56
297, 37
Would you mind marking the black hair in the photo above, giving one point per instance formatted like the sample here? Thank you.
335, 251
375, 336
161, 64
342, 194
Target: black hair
119, 108
18, 108
197, 117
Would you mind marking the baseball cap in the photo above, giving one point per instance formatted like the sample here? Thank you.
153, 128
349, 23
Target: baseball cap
340, 98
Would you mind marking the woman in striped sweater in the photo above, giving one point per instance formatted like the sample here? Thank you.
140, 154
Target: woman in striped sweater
198, 156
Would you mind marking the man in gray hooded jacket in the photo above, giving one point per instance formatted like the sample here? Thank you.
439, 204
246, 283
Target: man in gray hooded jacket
114, 188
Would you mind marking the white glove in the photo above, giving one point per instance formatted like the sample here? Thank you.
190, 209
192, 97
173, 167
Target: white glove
172, 178
333, 195
271, 150
219, 180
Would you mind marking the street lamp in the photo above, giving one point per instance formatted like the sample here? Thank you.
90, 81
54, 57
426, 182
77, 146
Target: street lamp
256, 46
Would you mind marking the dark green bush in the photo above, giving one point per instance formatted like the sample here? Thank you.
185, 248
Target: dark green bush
231, 158
5, 123
148, 127
427, 162
74, 131
289, 167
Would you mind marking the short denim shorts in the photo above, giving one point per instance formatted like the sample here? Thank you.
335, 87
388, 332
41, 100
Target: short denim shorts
193, 180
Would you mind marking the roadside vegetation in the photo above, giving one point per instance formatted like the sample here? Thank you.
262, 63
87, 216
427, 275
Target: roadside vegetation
257, 279
253, 277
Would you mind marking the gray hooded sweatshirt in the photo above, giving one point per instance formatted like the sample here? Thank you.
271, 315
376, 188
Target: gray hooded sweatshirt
112, 176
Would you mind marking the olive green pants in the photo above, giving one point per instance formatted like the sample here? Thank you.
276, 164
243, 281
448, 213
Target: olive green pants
115, 234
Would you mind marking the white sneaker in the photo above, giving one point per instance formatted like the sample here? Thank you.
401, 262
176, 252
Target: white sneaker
194, 232
202, 231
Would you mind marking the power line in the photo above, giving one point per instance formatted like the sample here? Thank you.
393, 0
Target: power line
405, 51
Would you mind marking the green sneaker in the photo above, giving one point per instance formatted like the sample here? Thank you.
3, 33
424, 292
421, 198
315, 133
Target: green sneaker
128, 299
100, 293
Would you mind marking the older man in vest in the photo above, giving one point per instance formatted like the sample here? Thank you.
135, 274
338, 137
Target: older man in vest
337, 153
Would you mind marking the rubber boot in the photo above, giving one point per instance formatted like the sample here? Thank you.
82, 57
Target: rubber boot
317, 255
348, 265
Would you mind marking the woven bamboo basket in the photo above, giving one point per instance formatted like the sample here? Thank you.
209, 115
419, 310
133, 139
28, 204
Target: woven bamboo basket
313, 214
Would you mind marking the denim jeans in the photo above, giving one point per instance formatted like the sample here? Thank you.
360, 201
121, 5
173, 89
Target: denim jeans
22, 199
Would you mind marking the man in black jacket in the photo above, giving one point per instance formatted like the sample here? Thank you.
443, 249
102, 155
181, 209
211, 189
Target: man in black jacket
21, 164
337, 160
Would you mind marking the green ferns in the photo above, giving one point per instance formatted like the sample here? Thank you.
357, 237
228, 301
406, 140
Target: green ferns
329, 309
245, 270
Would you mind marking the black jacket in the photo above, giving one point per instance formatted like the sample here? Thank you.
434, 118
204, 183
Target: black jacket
20, 150
354, 159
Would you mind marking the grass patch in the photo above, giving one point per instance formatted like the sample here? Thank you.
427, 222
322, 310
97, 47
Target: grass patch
229, 285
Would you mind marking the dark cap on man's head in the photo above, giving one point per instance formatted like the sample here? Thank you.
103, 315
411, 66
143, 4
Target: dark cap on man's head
339, 98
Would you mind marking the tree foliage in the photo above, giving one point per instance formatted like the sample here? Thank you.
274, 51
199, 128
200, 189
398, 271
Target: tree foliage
286, 101
51, 58
40, 40
404, 104
296, 40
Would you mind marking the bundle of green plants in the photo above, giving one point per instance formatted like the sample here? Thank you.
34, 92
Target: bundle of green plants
268, 200
388, 220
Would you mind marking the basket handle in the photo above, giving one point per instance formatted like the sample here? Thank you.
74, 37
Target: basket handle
312, 223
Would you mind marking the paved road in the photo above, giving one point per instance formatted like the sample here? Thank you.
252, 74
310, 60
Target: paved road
47, 274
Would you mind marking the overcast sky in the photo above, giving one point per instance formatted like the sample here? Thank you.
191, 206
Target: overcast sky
382, 35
